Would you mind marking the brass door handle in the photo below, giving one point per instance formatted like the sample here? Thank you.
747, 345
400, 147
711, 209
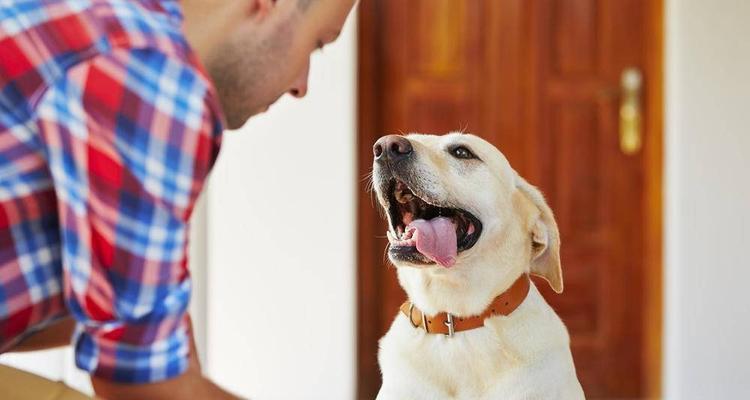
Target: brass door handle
630, 111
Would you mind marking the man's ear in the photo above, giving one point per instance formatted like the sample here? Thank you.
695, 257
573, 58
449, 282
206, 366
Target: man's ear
545, 238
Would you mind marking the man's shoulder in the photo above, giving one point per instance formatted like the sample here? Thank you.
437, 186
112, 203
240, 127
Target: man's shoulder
155, 25
42, 40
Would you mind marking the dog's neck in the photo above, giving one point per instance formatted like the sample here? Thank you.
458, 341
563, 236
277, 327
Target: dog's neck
458, 292
448, 324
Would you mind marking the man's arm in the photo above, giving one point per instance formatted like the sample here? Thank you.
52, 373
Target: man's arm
190, 385
130, 136
55, 335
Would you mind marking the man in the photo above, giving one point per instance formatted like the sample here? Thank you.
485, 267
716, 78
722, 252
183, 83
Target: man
111, 113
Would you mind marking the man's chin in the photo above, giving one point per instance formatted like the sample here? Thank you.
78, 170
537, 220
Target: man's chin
256, 111
237, 121
232, 125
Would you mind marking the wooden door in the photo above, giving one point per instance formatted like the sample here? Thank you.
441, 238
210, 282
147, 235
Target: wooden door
541, 80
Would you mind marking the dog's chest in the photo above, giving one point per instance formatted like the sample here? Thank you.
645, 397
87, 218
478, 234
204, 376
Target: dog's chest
463, 366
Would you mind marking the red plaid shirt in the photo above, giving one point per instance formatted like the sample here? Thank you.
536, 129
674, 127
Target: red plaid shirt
108, 128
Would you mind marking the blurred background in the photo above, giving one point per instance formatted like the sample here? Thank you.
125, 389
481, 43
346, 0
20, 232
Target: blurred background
633, 117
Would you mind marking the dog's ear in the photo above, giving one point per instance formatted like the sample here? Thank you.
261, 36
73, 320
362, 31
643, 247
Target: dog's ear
545, 238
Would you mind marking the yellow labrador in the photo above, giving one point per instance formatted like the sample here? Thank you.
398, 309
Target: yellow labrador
465, 232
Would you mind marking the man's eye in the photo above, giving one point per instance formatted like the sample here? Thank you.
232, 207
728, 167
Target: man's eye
462, 152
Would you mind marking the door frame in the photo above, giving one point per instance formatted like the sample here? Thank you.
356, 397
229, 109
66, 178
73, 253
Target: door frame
368, 125
369, 259
653, 197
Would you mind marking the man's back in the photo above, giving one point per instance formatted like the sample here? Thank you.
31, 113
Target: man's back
107, 129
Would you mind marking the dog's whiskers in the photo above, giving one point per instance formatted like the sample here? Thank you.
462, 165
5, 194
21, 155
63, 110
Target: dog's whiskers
386, 260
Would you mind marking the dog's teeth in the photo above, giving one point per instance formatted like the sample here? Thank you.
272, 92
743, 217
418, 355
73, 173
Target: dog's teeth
404, 198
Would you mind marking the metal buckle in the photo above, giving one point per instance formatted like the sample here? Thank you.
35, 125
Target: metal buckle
411, 321
449, 324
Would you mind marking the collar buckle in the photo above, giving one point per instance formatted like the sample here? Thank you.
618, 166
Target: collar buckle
425, 324
450, 325
411, 320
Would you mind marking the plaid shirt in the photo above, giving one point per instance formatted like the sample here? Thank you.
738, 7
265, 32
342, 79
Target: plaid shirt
108, 128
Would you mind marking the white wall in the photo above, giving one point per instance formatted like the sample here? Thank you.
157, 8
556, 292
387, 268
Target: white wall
281, 223
707, 331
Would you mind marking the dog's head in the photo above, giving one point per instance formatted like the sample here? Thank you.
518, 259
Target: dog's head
459, 215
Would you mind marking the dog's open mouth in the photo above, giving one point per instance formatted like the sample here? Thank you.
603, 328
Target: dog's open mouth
423, 233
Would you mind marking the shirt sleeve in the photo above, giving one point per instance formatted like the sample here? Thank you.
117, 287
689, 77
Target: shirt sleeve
130, 137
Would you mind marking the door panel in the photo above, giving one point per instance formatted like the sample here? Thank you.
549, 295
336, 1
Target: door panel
541, 80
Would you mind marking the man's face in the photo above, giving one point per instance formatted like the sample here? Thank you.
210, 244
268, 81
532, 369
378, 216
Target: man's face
269, 54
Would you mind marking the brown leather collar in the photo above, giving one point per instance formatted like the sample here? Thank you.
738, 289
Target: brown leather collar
447, 324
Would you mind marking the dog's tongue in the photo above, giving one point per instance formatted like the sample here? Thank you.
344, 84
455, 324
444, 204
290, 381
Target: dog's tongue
436, 239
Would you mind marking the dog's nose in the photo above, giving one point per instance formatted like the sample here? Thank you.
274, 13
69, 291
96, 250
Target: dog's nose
392, 147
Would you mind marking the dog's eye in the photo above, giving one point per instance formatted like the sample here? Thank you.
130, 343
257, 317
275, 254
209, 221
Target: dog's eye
462, 152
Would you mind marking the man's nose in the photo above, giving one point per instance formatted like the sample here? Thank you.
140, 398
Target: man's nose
299, 87
392, 147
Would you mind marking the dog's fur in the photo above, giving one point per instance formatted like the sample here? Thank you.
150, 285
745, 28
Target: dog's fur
525, 355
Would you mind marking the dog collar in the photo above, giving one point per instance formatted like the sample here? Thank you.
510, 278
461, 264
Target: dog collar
448, 324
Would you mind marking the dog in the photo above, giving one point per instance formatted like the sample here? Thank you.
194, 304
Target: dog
465, 231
